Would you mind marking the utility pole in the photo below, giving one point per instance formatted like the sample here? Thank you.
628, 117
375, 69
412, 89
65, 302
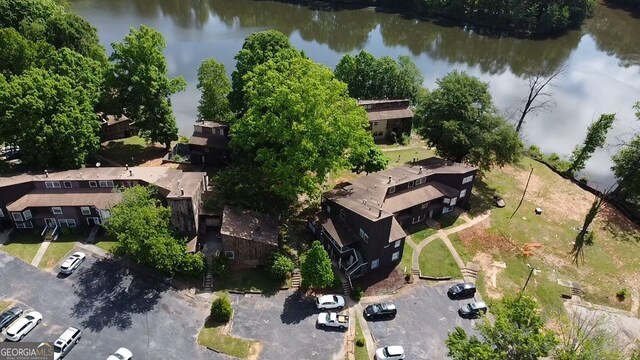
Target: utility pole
523, 193
526, 282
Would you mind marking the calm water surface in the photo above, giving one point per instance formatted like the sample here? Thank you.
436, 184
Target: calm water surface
602, 58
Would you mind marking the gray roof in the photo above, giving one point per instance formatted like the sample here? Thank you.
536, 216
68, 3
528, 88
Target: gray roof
249, 225
100, 198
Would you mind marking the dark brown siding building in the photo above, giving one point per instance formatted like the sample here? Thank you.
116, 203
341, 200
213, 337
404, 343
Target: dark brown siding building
362, 224
248, 237
209, 144
115, 127
388, 118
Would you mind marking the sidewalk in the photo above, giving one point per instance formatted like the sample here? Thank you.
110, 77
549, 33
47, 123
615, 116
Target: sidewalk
41, 250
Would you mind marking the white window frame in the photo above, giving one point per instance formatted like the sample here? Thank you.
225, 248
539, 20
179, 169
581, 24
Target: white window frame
1, 213
93, 183
375, 264
363, 235
65, 183
446, 209
68, 222
453, 202
463, 193
19, 216
24, 225
397, 244
421, 181
410, 184
56, 210
395, 256
424, 206
446, 201
392, 189
52, 184
86, 210
106, 183
467, 179
230, 255
375, 123
27, 214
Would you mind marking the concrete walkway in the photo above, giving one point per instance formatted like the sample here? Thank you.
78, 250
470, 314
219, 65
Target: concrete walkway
368, 337
41, 250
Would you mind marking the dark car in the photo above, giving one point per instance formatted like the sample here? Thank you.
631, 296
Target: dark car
462, 291
380, 311
473, 310
9, 316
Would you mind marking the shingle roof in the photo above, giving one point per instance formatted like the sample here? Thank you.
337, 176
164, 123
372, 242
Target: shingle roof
212, 140
249, 225
386, 114
59, 197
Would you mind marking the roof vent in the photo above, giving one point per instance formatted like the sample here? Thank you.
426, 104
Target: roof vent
364, 201
379, 213
46, 173
390, 179
182, 191
126, 166
420, 172
130, 172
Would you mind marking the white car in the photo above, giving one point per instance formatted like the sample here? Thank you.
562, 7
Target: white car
22, 326
121, 354
330, 302
390, 353
72, 262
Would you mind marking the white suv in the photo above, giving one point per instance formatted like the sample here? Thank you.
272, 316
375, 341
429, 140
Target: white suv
330, 302
66, 342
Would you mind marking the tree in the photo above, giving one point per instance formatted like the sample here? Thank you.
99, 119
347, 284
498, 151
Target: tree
17, 53
625, 168
221, 310
516, 334
258, 48
316, 268
459, 119
383, 78
300, 125
215, 87
585, 337
586, 237
280, 266
596, 136
139, 78
49, 117
141, 226
539, 99
370, 160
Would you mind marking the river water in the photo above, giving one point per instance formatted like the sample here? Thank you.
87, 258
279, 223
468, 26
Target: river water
602, 59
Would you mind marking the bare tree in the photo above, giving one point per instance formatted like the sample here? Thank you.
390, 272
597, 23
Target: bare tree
539, 98
588, 335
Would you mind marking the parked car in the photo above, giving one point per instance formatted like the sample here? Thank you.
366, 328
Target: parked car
9, 316
330, 302
390, 353
121, 354
331, 319
473, 310
72, 262
380, 311
66, 342
498, 201
23, 326
462, 291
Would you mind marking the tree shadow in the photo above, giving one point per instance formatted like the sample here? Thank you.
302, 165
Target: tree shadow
618, 225
296, 308
481, 198
110, 294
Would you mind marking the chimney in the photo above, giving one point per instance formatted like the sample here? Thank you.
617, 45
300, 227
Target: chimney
379, 213
182, 191
46, 173
420, 172
413, 161
390, 179
130, 172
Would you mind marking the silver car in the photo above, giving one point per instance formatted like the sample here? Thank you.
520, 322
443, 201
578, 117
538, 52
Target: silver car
72, 262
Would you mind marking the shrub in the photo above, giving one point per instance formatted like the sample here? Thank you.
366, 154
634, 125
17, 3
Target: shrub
357, 293
405, 139
360, 342
622, 294
535, 152
584, 179
193, 265
280, 266
219, 265
221, 309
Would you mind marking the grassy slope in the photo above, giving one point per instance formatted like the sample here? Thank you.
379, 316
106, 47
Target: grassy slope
212, 337
361, 352
436, 260
23, 245
55, 252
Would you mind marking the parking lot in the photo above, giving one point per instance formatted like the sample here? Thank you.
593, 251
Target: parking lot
425, 316
112, 306
285, 324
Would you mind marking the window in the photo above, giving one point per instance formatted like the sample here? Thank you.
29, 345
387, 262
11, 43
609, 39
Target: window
375, 123
230, 255
447, 209
52, 184
27, 214
410, 184
85, 210
67, 184
421, 181
425, 205
463, 193
446, 201
467, 179
364, 235
397, 244
375, 263
418, 219
1, 213
392, 190
56, 210
342, 215
68, 222
328, 209
454, 201
106, 183
17, 216
93, 184
24, 225
395, 256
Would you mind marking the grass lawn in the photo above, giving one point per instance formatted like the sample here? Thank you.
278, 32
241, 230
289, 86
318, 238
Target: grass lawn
249, 280
420, 232
406, 155
56, 251
436, 260
4, 304
211, 336
450, 220
406, 261
23, 245
105, 244
133, 151
361, 352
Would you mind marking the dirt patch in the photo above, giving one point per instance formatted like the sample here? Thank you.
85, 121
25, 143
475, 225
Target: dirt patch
490, 270
385, 281
254, 352
477, 237
610, 219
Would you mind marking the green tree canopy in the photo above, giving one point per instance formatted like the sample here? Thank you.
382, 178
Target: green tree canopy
382, 78
460, 119
141, 226
49, 117
316, 268
215, 87
625, 164
257, 49
595, 138
516, 334
140, 81
299, 126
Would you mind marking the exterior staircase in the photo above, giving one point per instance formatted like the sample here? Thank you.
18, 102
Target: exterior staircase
470, 271
207, 280
296, 280
92, 235
346, 289
576, 290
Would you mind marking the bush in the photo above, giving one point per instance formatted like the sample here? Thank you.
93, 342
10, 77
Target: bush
280, 266
405, 139
357, 293
219, 265
360, 342
535, 152
584, 179
623, 293
221, 309
193, 265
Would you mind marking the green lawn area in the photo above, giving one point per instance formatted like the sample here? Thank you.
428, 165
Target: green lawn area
436, 260
56, 251
450, 220
466, 254
420, 232
23, 245
407, 255
249, 280
4, 304
406, 155
105, 243
211, 336
133, 151
361, 352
